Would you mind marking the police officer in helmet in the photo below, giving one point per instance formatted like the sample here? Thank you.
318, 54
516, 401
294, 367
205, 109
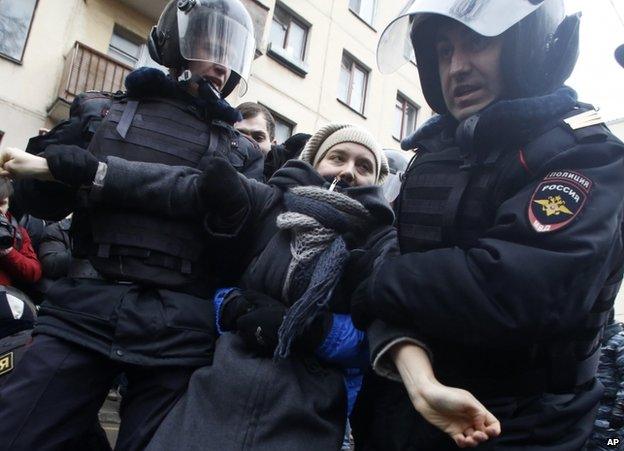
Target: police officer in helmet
135, 299
510, 230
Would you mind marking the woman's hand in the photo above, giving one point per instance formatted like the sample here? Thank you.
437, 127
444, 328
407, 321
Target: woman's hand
455, 412
16, 163
452, 410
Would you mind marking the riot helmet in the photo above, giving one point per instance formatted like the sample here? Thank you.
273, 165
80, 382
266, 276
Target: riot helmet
539, 52
619, 55
397, 164
214, 31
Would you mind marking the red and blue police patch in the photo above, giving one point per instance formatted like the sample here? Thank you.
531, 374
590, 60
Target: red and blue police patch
557, 200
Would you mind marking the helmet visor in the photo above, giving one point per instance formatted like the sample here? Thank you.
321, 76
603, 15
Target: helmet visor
486, 17
392, 187
211, 36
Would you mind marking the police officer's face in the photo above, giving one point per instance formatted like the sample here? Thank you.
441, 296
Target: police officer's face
216, 73
470, 69
256, 128
352, 163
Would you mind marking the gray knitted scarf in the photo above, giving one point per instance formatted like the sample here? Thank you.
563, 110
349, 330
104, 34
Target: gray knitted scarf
316, 219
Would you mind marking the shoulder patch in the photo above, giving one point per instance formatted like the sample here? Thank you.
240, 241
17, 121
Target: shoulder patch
6, 363
557, 200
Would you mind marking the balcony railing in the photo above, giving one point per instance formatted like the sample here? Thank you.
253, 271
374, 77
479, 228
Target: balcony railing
86, 69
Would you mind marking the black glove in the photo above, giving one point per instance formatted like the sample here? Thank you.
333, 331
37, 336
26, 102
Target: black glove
71, 165
234, 306
259, 326
295, 144
222, 190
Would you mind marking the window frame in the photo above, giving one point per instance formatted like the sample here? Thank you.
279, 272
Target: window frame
292, 18
358, 14
363, 68
278, 51
128, 35
20, 61
280, 118
405, 101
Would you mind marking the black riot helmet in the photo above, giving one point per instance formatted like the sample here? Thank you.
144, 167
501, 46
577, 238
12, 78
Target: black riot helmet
216, 31
540, 46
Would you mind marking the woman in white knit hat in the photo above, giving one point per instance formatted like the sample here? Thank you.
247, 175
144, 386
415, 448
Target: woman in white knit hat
288, 364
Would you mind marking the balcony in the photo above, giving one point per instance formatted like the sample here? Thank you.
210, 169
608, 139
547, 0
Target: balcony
86, 69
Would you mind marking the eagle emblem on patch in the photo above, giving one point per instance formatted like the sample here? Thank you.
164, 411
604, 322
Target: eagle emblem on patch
6, 363
557, 200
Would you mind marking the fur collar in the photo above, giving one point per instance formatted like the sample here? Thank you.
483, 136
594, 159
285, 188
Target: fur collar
504, 122
150, 82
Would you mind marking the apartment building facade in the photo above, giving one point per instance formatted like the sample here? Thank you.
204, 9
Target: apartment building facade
315, 62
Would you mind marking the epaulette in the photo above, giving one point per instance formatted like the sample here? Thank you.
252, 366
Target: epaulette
587, 126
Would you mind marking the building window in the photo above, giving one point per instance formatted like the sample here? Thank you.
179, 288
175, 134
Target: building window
283, 127
405, 114
364, 9
283, 130
1, 136
125, 46
16, 18
289, 34
352, 84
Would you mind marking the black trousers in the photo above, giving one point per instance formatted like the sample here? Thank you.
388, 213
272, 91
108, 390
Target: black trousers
55, 393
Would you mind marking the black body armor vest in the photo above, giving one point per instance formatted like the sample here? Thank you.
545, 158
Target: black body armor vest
133, 246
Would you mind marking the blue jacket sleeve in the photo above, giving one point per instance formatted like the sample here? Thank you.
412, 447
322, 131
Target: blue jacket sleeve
218, 299
344, 345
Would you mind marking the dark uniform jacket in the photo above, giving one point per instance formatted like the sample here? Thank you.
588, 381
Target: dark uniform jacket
135, 293
302, 387
511, 255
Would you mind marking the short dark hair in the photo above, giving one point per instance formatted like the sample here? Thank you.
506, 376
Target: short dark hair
6, 188
249, 110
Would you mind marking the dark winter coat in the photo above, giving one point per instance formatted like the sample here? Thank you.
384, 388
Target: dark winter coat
55, 250
509, 278
298, 403
157, 321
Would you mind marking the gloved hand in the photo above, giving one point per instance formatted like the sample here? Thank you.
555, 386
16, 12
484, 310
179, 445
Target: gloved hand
259, 326
71, 164
234, 306
222, 189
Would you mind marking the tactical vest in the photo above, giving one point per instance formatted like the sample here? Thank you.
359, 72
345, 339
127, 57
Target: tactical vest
133, 246
449, 199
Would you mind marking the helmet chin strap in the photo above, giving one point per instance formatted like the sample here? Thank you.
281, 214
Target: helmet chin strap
206, 89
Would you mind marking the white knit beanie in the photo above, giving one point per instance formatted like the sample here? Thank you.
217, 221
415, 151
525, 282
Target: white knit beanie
330, 135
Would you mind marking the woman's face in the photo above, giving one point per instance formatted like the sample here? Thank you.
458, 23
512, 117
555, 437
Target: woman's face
352, 163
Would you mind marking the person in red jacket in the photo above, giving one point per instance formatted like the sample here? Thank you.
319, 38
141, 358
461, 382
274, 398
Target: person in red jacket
18, 263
